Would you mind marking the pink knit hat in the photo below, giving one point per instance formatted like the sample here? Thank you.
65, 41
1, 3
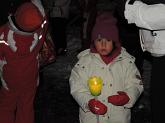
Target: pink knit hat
105, 27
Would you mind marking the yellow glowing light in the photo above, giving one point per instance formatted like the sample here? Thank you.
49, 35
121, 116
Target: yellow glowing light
95, 85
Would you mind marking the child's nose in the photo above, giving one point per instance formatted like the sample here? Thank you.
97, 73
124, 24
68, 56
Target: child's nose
103, 43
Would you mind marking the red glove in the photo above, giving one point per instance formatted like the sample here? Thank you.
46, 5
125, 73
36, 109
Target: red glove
120, 99
97, 107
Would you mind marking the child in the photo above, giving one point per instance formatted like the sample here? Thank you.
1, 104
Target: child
122, 84
21, 38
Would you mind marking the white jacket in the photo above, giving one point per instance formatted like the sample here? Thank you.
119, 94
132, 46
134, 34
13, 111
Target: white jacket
119, 75
151, 20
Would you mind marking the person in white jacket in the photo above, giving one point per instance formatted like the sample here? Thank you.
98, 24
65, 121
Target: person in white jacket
122, 83
150, 18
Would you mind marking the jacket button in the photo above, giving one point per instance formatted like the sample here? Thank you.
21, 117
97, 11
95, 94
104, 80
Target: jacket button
103, 100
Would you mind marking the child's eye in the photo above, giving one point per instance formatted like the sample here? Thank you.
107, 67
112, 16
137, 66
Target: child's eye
109, 40
99, 40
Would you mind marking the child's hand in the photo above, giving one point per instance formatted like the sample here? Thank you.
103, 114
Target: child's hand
97, 107
120, 99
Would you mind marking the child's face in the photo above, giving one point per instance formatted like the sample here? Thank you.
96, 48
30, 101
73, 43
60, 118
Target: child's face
103, 46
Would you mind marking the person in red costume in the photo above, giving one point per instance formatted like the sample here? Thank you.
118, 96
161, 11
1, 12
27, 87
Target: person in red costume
107, 59
21, 38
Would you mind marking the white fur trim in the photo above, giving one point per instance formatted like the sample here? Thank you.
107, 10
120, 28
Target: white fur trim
11, 41
2, 36
34, 42
4, 84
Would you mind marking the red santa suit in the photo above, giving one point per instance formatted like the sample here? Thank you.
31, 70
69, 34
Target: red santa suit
20, 41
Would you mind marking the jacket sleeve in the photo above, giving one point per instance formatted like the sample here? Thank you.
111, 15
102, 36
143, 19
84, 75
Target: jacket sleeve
1, 60
1, 53
78, 86
2, 41
150, 17
133, 84
1, 49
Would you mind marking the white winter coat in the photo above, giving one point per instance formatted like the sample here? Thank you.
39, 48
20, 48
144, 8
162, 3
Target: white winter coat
119, 75
151, 20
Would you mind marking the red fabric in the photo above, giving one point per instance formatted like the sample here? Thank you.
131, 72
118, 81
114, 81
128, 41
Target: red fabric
28, 17
21, 69
21, 76
97, 107
9, 101
120, 99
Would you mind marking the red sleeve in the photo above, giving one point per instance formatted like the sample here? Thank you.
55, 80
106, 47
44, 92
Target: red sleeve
2, 35
1, 53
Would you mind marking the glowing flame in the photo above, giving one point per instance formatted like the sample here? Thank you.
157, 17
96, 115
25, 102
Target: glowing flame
95, 85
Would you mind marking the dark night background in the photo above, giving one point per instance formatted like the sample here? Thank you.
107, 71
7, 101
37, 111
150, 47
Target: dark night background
53, 102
